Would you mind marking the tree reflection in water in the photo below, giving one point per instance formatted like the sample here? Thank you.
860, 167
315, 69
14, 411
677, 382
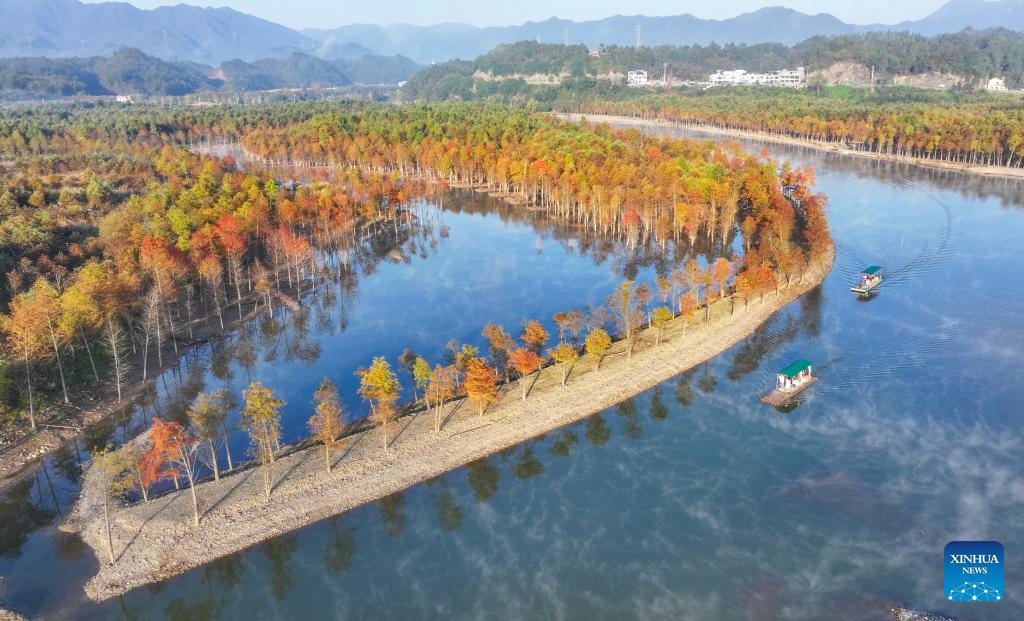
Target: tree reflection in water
633, 428
449, 514
528, 466
341, 547
21, 515
757, 346
392, 513
598, 431
483, 478
811, 305
279, 551
684, 392
707, 381
564, 442
658, 410
295, 335
182, 609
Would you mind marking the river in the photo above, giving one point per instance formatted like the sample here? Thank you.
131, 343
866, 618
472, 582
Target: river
692, 500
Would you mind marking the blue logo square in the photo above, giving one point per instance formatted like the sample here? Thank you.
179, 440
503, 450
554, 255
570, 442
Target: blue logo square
973, 571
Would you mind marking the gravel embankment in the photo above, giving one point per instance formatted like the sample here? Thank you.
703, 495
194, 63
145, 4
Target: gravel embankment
154, 541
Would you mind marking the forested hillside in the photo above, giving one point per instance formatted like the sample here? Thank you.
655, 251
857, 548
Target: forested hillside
126, 71
972, 54
130, 71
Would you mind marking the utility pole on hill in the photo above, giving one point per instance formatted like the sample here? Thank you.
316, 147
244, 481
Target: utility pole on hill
637, 30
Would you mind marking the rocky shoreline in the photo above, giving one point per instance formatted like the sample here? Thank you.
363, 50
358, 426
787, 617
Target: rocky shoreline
154, 541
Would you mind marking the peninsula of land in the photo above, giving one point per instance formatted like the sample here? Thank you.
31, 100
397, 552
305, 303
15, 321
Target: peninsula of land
154, 541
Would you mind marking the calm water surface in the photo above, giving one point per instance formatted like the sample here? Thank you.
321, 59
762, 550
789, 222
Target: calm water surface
692, 500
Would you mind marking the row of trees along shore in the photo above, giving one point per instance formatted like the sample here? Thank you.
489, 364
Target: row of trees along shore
959, 128
166, 242
186, 453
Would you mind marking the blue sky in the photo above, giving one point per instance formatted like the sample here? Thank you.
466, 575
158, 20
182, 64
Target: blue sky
331, 13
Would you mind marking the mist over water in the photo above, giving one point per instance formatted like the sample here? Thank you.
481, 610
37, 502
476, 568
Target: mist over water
692, 500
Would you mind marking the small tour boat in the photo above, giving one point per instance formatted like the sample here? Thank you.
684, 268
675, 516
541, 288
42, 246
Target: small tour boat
870, 278
790, 382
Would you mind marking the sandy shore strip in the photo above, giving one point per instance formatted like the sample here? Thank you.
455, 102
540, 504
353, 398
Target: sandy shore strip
154, 541
974, 169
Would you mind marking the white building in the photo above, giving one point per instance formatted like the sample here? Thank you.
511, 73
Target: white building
127, 99
793, 78
996, 84
636, 78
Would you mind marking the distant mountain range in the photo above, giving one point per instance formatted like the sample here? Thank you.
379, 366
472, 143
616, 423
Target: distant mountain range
65, 28
426, 44
72, 28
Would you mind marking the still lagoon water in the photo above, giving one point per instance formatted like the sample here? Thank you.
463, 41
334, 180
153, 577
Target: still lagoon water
690, 501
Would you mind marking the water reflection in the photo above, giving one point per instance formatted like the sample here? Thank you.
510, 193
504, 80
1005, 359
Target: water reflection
597, 431
279, 551
392, 513
23, 509
483, 477
341, 547
564, 442
527, 466
693, 488
449, 514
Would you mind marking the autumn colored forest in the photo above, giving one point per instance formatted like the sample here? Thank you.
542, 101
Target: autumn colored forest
966, 129
957, 125
122, 247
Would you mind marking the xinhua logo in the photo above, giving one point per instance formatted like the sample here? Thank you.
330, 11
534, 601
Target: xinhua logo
974, 571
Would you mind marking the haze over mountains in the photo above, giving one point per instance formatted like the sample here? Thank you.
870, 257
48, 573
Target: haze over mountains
71, 28
62, 28
426, 44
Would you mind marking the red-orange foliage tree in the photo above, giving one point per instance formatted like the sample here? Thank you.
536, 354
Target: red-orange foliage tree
172, 444
526, 362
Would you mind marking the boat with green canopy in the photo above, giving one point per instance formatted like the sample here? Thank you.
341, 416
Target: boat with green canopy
870, 278
790, 382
